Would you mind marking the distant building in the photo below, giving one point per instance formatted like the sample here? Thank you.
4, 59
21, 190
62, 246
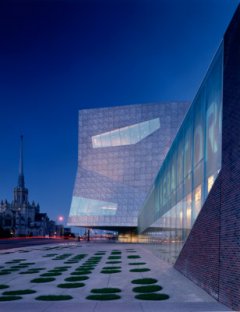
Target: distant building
20, 217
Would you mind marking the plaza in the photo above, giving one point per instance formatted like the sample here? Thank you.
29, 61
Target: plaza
62, 261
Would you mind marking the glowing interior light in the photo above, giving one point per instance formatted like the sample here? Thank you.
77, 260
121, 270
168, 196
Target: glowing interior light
109, 208
91, 207
127, 135
210, 182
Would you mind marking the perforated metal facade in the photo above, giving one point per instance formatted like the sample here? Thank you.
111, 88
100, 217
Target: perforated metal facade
120, 151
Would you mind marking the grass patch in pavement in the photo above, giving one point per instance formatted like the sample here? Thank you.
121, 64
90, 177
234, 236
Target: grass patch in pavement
103, 297
50, 255
10, 298
152, 296
78, 257
106, 290
19, 292
62, 257
147, 289
113, 262
9, 270
31, 271
5, 272
86, 267
112, 268
71, 285
144, 281
114, 257
140, 270
57, 270
76, 278
71, 261
62, 267
110, 271
137, 263
133, 257
43, 280
3, 286
16, 261
17, 267
54, 297
91, 262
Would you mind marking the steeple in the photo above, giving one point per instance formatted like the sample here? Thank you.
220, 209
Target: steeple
20, 192
21, 183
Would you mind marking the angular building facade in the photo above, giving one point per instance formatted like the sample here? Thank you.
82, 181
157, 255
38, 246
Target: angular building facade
192, 164
120, 151
179, 185
194, 203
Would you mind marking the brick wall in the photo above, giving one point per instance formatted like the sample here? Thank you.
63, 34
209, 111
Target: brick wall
199, 258
229, 283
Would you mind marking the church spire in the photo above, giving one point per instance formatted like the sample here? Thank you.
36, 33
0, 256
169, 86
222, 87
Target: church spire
21, 183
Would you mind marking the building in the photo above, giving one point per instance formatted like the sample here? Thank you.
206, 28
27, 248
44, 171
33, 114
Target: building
118, 157
192, 208
20, 217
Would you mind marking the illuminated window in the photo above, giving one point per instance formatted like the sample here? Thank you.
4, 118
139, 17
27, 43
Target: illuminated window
90, 207
210, 182
126, 135
198, 194
198, 200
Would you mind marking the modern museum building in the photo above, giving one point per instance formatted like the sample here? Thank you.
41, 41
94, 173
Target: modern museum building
171, 172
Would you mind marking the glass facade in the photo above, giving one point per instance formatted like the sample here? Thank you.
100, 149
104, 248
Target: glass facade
126, 135
191, 166
114, 176
89, 207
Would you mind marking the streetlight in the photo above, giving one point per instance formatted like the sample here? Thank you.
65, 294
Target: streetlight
60, 218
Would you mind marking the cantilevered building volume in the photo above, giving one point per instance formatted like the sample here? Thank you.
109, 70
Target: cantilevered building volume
181, 187
120, 151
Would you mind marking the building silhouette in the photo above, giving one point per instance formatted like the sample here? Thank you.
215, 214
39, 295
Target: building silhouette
20, 217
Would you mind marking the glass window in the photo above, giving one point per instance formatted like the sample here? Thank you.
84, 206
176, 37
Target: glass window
115, 138
81, 206
192, 163
126, 135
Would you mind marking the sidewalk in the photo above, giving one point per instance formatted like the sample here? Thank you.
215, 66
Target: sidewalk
184, 295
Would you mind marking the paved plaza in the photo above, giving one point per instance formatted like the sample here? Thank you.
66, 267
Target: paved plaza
99, 265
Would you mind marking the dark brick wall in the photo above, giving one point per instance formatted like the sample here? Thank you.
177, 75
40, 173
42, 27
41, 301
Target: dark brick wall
211, 254
229, 283
199, 258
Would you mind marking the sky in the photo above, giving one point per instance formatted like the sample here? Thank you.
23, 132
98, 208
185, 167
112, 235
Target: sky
57, 57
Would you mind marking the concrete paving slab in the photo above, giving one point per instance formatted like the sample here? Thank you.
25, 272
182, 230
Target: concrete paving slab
184, 295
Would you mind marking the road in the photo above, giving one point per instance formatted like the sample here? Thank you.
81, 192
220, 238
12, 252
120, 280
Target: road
24, 242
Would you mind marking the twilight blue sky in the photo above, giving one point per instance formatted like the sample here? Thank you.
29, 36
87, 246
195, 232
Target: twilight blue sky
57, 57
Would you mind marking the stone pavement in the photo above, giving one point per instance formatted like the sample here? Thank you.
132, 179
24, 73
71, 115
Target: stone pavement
184, 295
